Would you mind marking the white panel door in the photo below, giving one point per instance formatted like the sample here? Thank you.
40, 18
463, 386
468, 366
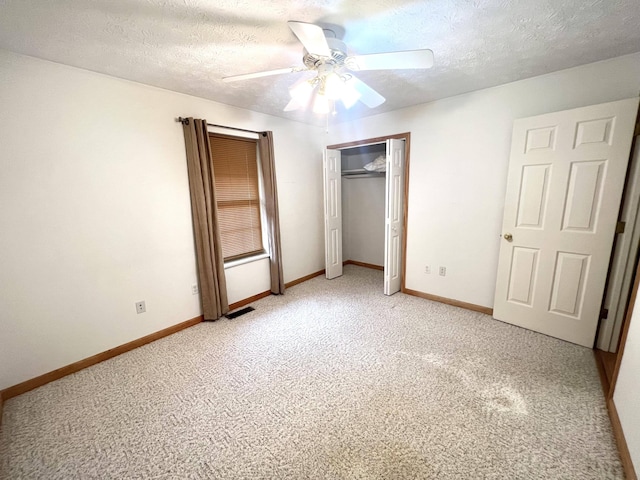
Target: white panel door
394, 217
333, 213
564, 186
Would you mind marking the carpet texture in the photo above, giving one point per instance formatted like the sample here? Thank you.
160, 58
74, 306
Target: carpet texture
333, 380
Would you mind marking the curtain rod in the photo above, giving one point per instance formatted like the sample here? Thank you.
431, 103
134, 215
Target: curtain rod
185, 121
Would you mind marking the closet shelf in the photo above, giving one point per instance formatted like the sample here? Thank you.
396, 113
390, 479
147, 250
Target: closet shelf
361, 173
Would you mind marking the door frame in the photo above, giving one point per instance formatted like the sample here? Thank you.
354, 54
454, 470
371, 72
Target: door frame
406, 136
618, 433
609, 387
624, 259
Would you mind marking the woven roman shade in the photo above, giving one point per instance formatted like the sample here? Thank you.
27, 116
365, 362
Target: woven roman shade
235, 169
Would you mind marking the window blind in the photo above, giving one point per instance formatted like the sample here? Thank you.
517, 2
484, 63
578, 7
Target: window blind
235, 167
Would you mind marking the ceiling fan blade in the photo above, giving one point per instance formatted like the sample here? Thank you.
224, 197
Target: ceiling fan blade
391, 60
312, 37
247, 76
368, 95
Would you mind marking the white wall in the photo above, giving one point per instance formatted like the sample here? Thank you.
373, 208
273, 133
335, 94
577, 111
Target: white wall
627, 391
247, 280
363, 202
458, 168
95, 212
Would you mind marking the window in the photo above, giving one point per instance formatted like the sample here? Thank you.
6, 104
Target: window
235, 166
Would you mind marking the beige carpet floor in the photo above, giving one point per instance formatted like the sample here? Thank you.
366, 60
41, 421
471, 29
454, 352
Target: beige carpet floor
333, 380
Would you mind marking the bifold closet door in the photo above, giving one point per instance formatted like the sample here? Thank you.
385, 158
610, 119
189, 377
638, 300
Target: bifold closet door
333, 213
394, 209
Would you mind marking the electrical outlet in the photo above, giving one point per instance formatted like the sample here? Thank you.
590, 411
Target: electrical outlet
443, 271
194, 289
427, 269
141, 307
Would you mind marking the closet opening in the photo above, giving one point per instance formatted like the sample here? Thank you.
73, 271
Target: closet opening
365, 190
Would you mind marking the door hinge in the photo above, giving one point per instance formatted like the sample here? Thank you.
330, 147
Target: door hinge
620, 227
604, 313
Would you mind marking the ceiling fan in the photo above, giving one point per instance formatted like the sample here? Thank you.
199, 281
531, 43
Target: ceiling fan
328, 57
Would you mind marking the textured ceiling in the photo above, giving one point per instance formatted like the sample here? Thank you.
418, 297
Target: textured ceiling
189, 45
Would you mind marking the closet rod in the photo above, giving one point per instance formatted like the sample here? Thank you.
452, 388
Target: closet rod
185, 121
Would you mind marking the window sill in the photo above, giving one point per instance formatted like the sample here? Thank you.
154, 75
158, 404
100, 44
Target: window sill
242, 261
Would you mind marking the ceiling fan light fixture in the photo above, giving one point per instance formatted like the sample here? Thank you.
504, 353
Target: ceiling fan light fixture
321, 104
328, 57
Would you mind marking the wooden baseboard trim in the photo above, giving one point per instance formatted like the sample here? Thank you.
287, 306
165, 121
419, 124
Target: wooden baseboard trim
23, 387
450, 301
604, 382
258, 296
623, 449
363, 264
36, 382
304, 279
247, 301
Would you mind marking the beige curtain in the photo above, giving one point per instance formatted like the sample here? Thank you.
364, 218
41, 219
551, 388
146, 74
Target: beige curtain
265, 147
213, 286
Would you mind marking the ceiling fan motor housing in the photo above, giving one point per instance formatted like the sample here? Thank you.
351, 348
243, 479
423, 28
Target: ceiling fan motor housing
338, 51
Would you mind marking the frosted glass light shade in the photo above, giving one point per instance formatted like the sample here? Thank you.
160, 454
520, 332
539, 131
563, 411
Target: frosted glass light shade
333, 86
321, 104
301, 91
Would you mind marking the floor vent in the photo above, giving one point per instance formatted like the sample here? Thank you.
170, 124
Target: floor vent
237, 313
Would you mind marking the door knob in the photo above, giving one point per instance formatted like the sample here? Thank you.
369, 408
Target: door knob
508, 237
